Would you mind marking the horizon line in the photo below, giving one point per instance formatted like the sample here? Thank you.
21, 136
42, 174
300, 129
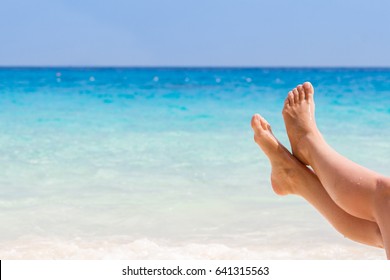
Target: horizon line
191, 67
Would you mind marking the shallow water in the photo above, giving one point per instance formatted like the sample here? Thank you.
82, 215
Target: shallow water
160, 163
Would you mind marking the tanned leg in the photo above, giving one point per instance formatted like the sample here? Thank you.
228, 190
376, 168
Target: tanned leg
290, 176
382, 211
350, 185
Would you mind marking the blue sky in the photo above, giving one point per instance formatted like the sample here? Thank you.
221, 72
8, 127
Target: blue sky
195, 33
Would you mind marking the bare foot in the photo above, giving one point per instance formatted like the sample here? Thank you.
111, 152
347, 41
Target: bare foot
298, 114
284, 165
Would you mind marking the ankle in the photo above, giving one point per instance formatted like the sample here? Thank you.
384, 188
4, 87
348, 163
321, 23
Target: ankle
308, 143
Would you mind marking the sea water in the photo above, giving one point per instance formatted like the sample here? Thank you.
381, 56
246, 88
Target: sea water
155, 163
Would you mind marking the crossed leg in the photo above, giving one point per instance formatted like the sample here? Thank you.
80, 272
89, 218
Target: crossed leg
290, 176
357, 190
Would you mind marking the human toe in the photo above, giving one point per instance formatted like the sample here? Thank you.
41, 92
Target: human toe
308, 88
296, 95
301, 92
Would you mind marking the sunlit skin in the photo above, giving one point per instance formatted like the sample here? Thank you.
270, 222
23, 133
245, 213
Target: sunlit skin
354, 199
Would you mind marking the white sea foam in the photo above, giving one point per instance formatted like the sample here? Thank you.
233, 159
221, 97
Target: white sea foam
147, 249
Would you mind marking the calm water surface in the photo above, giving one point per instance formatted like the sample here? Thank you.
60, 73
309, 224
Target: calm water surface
161, 164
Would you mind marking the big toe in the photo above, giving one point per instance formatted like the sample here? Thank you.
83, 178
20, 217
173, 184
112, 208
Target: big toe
255, 122
308, 87
259, 124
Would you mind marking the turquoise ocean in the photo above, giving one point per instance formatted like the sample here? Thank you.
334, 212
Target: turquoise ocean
160, 163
